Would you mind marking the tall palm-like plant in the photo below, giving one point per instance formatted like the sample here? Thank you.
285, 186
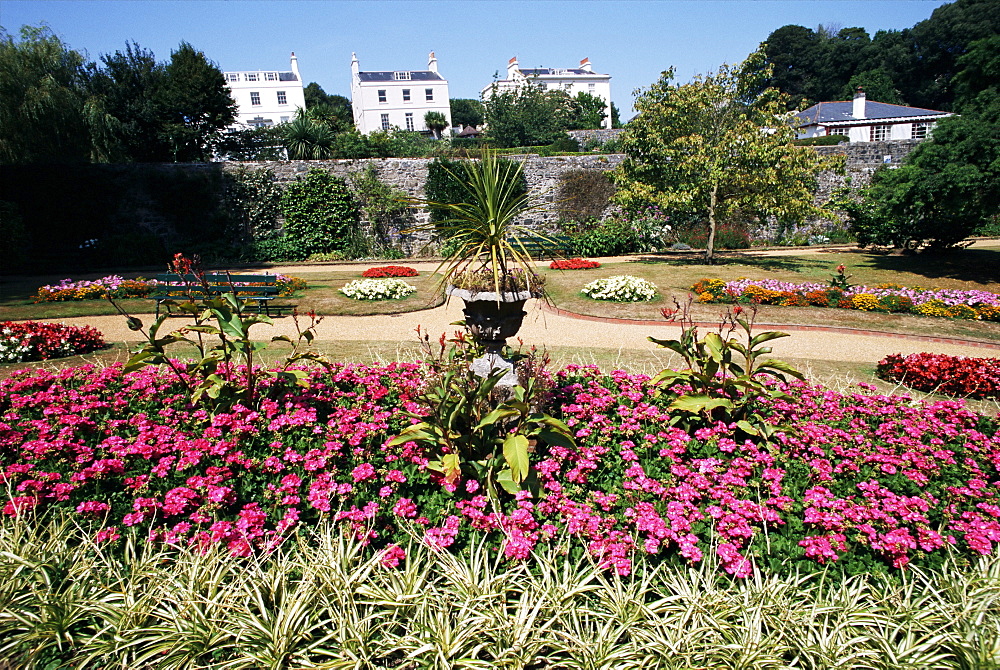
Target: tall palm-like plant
307, 140
484, 242
437, 122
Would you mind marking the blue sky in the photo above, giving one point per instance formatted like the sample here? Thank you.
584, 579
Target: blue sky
632, 41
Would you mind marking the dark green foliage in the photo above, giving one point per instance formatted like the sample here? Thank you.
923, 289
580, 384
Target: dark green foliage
195, 104
444, 184
526, 117
253, 199
333, 111
307, 140
321, 215
265, 143
583, 194
384, 206
947, 188
436, 122
466, 112
586, 112
564, 144
915, 66
42, 95
614, 237
822, 141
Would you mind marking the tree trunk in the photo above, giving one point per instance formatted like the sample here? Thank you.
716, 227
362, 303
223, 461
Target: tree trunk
710, 246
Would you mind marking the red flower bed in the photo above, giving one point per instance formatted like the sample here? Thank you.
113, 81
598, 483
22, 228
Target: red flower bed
32, 341
389, 271
574, 264
949, 375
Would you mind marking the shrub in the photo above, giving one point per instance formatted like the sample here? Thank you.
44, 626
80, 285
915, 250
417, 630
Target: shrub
253, 199
620, 288
377, 289
320, 214
613, 237
940, 373
583, 194
33, 341
574, 264
389, 271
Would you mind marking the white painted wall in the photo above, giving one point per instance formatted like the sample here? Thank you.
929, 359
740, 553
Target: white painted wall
368, 109
266, 84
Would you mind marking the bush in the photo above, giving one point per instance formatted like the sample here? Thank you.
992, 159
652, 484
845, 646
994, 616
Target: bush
620, 288
824, 141
583, 194
321, 215
32, 341
377, 289
442, 185
940, 373
253, 199
613, 237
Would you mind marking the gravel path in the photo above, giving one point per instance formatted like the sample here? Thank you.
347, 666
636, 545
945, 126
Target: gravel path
542, 327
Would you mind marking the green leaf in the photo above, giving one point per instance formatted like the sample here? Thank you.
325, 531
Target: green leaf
495, 416
716, 346
699, 403
556, 439
515, 452
506, 481
781, 366
766, 337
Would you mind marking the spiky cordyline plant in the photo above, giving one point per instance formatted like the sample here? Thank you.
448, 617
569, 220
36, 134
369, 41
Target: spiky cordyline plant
487, 252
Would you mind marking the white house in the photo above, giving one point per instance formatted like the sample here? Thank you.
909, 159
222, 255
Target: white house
862, 120
581, 79
398, 98
266, 98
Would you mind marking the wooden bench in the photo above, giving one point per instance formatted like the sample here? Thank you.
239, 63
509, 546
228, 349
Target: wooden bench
260, 288
547, 247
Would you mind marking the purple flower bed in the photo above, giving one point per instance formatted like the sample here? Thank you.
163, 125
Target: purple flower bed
863, 481
918, 296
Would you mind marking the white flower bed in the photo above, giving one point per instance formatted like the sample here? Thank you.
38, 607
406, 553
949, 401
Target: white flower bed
620, 288
377, 289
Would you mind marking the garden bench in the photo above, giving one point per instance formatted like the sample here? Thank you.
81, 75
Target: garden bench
538, 247
259, 288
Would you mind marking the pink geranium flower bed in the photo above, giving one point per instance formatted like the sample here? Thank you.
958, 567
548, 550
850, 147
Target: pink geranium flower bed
864, 481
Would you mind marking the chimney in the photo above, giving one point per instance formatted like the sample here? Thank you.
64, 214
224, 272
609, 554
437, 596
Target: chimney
295, 66
858, 111
355, 67
585, 65
512, 67
432, 63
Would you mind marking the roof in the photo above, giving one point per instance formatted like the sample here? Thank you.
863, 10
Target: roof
842, 111
539, 71
390, 75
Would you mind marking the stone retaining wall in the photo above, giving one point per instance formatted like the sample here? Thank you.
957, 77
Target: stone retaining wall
602, 135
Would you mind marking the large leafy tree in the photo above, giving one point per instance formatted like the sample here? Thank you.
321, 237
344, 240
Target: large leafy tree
333, 111
586, 112
42, 95
717, 148
195, 103
526, 116
122, 105
466, 112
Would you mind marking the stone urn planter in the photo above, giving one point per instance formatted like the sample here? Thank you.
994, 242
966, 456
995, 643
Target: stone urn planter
491, 321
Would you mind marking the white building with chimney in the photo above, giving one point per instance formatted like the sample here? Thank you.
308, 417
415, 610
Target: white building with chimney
266, 97
863, 120
385, 99
581, 79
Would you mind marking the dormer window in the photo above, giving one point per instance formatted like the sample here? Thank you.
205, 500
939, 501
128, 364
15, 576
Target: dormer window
405, 76
251, 76
271, 76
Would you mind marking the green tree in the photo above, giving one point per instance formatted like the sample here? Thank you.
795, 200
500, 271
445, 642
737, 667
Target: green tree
42, 94
586, 112
978, 82
437, 122
877, 85
466, 112
718, 147
195, 103
306, 139
526, 116
123, 93
334, 111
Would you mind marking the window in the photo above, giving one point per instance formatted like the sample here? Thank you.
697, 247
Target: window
381, 95
878, 133
567, 87
404, 76
428, 93
409, 120
271, 76
286, 119
254, 98
282, 98
921, 130
406, 95
385, 122
232, 76
251, 76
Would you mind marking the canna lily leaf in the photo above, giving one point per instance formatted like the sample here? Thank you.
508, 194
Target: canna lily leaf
515, 452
